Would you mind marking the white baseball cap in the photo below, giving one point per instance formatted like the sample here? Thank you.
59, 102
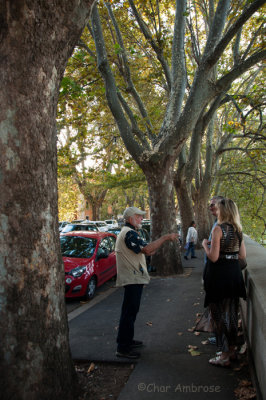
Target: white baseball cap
130, 211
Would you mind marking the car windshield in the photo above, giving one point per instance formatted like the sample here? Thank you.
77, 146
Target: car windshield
116, 231
73, 227
78, 247
100, 224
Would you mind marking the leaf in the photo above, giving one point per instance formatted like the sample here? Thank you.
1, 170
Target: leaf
196, 333
194, 353
180, 333
91, 368
191, 347
204, 342
198, 314
149, 323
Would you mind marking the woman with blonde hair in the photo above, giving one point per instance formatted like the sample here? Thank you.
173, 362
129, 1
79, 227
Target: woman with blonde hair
223, 281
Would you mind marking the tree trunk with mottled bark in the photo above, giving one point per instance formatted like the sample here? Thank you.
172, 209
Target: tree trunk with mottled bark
185, 206
37, 38
161, 194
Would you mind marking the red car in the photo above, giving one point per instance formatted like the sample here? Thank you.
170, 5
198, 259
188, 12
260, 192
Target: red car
89, 260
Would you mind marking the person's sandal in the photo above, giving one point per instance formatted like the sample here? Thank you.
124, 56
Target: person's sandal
220, 362
232, 355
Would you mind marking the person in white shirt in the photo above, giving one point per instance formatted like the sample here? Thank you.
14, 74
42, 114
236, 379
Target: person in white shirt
191, 240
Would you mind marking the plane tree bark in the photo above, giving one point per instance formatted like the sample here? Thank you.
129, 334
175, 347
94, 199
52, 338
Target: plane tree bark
37, 38
156, 152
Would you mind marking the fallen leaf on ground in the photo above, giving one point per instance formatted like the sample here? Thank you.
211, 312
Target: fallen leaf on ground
149, 323
191, 347
204, 342
191, 329
245, 391
195, 304
194, 353
91, 368
180, 333
245, 383
198, 314
168, 300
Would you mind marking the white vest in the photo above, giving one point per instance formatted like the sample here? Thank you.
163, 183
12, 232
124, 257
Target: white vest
131, 267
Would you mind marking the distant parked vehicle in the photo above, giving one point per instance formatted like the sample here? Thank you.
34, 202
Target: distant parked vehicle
112, 223
115, 231
143, 233
77, 221
89, 260
80, 227
102, 225
146, 224
62, 224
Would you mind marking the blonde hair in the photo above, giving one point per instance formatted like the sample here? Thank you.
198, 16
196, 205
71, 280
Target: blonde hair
228, 212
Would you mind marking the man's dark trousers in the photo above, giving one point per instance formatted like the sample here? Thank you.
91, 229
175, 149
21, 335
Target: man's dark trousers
130, 308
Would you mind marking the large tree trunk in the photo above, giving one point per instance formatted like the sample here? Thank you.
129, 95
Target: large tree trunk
203, 216
36, 40
167, 259
185, 206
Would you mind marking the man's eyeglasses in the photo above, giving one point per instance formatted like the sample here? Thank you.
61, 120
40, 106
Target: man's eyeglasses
212, 205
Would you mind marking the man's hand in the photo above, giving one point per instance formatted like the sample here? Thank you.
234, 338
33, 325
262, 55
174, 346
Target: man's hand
153, 246
173, 236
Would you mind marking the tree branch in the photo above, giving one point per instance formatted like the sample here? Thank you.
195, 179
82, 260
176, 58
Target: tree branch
252, 41
127, 75
111, 91
217, 27
135, 128
225, 82
159, 52
214, 56
179, 77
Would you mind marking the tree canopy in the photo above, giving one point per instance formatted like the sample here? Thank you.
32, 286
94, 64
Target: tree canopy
159, 61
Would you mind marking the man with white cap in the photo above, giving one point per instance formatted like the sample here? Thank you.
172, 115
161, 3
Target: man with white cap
132, 274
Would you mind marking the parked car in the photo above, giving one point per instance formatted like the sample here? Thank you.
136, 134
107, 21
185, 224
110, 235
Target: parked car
146, 224
77, 221
102, 225
112, 223
80, 227
115, 231
89, 261
62, 224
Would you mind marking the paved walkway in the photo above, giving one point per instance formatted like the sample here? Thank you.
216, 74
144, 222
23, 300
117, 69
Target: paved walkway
166, 370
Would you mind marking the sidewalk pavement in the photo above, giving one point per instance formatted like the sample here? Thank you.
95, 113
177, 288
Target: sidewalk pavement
166, 369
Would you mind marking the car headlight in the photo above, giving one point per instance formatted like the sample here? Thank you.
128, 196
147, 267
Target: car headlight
78, 271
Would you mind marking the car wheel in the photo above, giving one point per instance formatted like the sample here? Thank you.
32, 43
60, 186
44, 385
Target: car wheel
91, 288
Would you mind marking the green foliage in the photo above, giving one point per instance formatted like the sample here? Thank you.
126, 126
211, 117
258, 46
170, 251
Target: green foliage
67, 199
87, 131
